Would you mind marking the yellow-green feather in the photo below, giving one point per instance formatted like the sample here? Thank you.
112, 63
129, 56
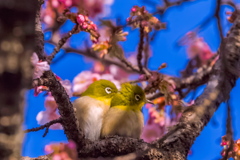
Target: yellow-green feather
124, 117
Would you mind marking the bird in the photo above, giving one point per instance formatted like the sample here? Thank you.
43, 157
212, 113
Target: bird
125, 118
91, 107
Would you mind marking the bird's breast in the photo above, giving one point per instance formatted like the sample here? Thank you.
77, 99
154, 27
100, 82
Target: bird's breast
90, 114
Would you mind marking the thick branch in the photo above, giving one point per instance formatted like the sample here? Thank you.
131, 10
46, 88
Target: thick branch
69, 121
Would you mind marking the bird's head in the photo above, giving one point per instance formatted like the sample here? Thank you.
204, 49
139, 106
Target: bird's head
101, 89
130, 95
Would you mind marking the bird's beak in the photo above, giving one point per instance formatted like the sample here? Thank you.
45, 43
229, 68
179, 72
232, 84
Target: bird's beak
148, 101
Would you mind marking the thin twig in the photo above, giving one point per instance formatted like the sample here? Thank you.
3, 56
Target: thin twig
217, 15
146, 50
140, 48
229, 132
47, 125
61, 42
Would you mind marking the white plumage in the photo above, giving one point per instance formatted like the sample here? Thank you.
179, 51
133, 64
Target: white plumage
90, 112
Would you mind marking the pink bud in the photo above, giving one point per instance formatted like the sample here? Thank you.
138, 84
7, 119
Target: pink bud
133, 9
68, 3
94, 27
142, 77
71, 145
84, 25
80, 18
48, 149
229, 12
55, 3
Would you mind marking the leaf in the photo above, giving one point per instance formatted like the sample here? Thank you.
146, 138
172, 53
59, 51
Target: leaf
107, 23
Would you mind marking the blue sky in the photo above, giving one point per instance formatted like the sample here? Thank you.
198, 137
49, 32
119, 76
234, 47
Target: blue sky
179, 20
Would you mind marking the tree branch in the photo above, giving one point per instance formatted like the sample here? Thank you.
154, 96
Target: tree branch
140, 48
47, 125
61, 42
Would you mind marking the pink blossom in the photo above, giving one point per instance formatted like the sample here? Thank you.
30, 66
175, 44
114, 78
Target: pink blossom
84, 25
57, 157
95, 8
118, 73
62, 151
198, 47
71, 145
50, 114
93, 27
48, 149
110, 77
83, 80
44, 117
39, 67
50, 104
67, 3
133, 9
55, 3
152, 132
80, 18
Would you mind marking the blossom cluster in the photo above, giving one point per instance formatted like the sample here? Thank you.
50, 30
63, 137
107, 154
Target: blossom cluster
233, 152
110, 37
140, 17
54, 8
85, 24
197, 48
156, 125
39, 66
62, 151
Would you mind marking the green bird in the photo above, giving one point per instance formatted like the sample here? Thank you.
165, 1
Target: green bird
125, 118
93, 105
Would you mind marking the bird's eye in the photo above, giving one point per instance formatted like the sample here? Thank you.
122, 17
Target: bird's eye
108, 90
137, 97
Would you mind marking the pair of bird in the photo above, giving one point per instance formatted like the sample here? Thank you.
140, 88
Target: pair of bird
102, 110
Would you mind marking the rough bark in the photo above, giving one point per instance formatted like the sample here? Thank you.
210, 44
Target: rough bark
17, 19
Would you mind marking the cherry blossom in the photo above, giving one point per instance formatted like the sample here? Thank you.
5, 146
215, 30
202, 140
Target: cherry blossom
111, 78
62, 151
44, 117
83, 80
197, 47
117, 73
140, 17
95, 8
156, 124
50, 114
39, 66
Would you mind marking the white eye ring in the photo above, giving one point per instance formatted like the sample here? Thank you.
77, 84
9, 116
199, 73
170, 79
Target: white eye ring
108, 90
137, 97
